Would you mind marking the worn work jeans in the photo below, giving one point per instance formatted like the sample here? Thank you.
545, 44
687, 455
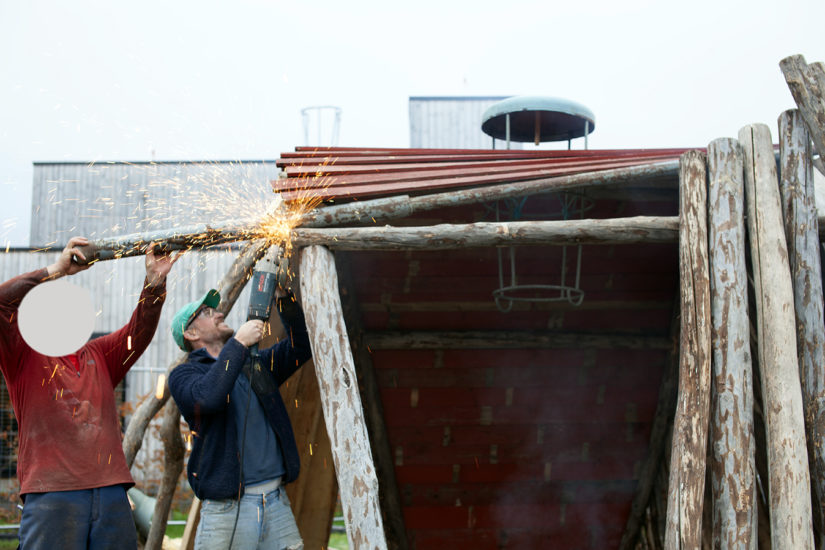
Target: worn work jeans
265, 522
93, 519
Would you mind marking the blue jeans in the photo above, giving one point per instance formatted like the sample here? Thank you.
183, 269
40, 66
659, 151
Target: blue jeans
90, 519
265, 522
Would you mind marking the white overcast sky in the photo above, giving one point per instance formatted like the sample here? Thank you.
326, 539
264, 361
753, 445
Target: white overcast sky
103, 80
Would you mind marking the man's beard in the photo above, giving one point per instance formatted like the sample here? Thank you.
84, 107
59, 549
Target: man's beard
227, 334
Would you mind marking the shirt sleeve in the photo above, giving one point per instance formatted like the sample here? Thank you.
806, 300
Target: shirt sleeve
124, 347
12, 344
196, 392
287, 356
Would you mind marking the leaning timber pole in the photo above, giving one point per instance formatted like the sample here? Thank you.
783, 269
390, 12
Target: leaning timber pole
341, 400
732, 462
688, 455
801, 231
807, 85
789, 479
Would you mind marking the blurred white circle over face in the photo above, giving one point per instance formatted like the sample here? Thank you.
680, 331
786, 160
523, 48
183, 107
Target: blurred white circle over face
56, 318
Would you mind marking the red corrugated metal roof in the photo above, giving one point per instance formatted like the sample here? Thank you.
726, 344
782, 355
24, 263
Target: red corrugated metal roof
359, 173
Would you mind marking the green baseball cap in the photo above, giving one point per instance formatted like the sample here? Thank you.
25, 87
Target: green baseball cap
184, 315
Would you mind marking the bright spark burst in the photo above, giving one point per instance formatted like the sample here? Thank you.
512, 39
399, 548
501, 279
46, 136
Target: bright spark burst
220, 201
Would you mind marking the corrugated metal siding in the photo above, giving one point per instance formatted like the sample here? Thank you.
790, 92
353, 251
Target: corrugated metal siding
117, 198
115, 287
451, 122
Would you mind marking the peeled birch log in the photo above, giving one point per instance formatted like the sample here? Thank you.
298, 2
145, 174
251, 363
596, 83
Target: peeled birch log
788, 475
732, 453
801, 232
341, 401
638, 229
690, 429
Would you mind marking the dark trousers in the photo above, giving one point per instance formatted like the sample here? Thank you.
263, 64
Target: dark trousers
90, 519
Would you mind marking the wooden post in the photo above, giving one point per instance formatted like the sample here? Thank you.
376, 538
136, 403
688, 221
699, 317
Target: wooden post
801, 232
344, 416
732, 445
314, 494
807, 85
690, 427
789, 479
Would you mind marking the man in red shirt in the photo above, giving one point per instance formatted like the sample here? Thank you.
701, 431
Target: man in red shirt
72, 471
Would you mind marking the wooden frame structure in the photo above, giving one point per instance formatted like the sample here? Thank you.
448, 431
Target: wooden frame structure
701, 490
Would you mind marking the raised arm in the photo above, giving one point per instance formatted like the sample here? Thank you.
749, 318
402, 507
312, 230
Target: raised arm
125, 346
14, 290
287, 356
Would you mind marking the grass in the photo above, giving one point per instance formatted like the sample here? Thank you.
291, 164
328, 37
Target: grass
338, 541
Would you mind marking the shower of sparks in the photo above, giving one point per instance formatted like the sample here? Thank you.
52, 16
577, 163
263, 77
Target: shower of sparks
180, 205
129, 342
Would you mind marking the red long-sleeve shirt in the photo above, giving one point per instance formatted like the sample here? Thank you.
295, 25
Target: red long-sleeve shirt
69, 431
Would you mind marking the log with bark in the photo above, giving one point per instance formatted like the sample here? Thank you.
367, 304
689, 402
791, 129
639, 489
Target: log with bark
801, 232
789, 478
732, 449
807, 85
690, 427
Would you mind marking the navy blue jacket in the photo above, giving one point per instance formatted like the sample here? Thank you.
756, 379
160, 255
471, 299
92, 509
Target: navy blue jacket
200, 387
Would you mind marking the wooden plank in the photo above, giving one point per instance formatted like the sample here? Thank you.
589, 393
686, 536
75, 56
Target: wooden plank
732, 445
688, 455
192, 520
509, 340
640, 229
801, 232
314, 494
390, 499
789, 479
341, 400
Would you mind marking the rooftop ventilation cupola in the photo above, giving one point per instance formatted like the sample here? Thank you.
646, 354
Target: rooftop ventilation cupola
537, 119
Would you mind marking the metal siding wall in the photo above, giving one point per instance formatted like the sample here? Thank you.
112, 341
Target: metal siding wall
115, 287
451, 123
100, 200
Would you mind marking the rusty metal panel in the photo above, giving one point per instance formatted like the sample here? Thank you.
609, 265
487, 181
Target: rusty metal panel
340, 173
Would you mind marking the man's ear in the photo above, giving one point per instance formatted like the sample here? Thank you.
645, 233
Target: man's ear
190, 335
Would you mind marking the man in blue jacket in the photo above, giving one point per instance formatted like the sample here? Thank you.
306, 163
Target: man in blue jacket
243, 449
